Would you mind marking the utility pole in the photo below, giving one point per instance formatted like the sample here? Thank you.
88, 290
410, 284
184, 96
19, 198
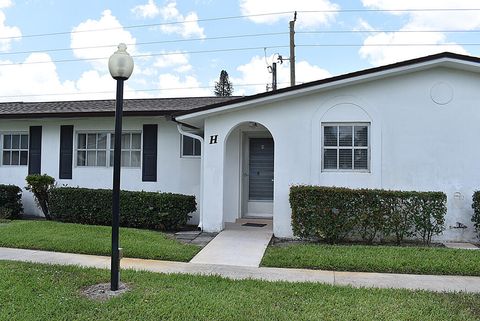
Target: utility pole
274, 76
292, 49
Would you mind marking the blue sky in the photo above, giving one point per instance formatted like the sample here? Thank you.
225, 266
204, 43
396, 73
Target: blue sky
177, 58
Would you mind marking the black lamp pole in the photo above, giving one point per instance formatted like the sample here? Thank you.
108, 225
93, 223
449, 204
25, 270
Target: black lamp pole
117, 152
120, 66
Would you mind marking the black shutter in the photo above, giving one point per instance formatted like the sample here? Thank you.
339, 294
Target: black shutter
66, 152
149, 166
35, 150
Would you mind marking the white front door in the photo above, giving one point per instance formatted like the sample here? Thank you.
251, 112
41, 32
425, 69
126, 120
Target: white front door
258, 177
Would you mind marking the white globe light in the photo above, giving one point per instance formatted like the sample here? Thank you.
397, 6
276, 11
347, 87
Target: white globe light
120, 63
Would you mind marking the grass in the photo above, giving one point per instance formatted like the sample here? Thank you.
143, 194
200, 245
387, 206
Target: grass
391, 259
41, 292
90, 239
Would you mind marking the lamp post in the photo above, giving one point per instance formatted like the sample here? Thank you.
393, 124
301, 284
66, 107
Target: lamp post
120, 66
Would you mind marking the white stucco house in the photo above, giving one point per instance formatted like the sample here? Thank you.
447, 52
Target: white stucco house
412, 125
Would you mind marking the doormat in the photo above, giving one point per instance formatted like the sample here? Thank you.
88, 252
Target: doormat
254, 225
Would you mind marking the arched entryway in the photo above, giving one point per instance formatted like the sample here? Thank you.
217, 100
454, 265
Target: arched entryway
248, 172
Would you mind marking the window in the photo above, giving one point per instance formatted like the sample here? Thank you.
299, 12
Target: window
15, 149
191, 146
92, 149
346, 147
96, 149
131, 149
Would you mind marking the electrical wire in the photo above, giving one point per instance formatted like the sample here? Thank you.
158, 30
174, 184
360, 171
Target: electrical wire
145, 43
142, 55
241, 17
127, 91
385, 31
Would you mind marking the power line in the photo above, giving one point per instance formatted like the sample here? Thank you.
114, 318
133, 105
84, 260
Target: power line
127, 91
391, 45
245, 49
144, 25
240, 17
145, 43
385, 31
142, 55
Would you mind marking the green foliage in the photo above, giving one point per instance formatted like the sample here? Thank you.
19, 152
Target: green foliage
10, 202
334, 214
476, 211
40, 186
148, 210
318, 213
223, 87
429, 215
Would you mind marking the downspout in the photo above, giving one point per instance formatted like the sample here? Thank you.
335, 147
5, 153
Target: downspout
200, 138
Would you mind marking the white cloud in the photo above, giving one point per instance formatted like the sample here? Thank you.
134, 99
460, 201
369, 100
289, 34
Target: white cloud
255, 76
7, 33
305, 20
175, 22
174, 59
170, 59
109, 31
187, 26
5, 3
28, 79
148, 10
419, 20
184, 68
21, 82
176, 86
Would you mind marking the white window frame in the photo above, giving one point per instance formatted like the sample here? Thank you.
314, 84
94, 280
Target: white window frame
338, 147
108, 148
2, 135
130, 150
195, 141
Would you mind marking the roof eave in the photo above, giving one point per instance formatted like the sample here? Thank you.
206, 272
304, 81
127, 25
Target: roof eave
445, 59
85, 114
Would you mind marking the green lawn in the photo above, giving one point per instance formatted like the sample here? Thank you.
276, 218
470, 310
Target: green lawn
41, 292
89, 239
416, 260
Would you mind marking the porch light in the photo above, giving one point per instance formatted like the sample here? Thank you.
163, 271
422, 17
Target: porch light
120, 66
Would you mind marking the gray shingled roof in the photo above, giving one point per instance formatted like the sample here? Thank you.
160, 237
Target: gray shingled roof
132, 107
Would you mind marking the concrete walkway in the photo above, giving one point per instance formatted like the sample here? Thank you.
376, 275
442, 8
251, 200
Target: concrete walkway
237, 245
378, 280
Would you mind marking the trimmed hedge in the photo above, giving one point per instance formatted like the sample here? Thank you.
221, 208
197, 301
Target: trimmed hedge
334, 214
148, 210
10, 202
476, 211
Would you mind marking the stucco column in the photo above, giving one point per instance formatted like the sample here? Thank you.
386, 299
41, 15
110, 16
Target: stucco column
213, 154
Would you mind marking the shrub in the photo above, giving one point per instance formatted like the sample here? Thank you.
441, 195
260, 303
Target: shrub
40, 186
399, 212
333, 214
476, 211
430, 214
320, 212
149, 210
10, 202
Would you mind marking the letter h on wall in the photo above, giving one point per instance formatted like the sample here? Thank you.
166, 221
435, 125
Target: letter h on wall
213, 139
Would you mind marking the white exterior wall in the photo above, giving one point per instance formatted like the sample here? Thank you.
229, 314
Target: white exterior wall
174, 173
415, 143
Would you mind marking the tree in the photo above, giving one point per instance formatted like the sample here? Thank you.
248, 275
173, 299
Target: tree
223, 87
40, 186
